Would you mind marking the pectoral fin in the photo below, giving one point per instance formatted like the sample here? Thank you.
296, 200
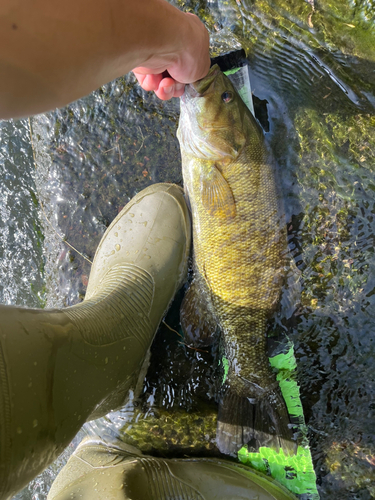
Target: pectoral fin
217, 196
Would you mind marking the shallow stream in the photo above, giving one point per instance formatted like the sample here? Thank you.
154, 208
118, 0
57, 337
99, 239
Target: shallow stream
312, 73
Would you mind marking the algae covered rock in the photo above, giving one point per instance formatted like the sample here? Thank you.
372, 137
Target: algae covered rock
173, 433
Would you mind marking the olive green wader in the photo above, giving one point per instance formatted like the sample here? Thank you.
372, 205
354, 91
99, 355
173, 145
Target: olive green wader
97, 471
61, 368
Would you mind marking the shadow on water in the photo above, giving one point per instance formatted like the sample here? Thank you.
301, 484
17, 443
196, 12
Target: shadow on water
312, 65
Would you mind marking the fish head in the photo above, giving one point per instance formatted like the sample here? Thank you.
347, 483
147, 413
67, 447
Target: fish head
212, 119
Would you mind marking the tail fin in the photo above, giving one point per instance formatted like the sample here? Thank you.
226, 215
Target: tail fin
255, 422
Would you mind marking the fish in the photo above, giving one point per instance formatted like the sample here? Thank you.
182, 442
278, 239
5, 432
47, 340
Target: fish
239, 254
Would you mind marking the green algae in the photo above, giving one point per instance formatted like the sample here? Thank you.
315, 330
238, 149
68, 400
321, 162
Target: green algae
337, 165
353, 466
347, 27
336, 175
322, 40
173, 433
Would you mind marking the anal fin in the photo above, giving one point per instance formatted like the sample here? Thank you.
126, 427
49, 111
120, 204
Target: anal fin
197, 322
235, 423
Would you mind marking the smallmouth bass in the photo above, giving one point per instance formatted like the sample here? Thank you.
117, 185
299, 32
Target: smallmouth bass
239, 256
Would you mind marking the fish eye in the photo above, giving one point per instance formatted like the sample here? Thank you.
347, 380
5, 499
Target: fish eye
227, 96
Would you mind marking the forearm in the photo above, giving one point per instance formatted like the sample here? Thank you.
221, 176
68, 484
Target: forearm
53, 52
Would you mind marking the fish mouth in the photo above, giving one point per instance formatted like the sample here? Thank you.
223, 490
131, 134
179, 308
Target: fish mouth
200, 87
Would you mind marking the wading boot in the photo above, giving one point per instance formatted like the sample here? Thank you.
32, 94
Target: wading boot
97, 471
60, 368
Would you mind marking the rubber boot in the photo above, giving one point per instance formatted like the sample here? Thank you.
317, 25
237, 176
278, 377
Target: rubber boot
60, 368
97, 471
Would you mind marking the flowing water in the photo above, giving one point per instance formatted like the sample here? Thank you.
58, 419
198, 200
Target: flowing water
21, 239
312, 72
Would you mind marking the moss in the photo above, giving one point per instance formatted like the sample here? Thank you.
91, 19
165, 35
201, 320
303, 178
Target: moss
173, 433
352, 466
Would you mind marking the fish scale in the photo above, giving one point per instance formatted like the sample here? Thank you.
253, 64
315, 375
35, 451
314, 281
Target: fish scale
239, 256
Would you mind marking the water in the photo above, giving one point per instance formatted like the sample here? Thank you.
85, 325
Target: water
21, 239
312, 69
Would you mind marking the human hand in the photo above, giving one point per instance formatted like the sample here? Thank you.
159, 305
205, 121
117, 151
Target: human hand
164, 86
167, 74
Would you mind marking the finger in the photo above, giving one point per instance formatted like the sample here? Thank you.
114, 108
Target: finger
179, 90
169, 88
164, 95
149, 82
164, 86
142, 70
